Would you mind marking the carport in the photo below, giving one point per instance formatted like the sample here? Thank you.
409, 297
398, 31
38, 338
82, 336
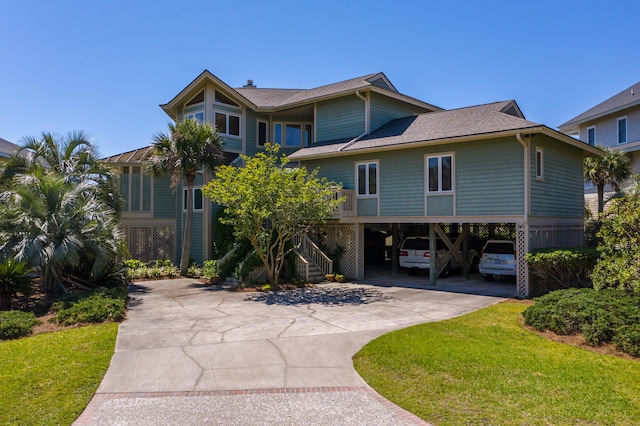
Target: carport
459, 239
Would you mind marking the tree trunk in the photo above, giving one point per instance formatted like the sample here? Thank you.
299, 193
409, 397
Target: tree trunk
5, 301
188, 227
600, 198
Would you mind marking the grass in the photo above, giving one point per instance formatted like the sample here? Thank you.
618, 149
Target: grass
484, 368
50, 378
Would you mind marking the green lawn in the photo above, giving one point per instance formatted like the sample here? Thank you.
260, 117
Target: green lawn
48, 379
484, 368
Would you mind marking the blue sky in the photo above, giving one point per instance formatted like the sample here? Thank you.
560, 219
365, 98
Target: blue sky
105, 66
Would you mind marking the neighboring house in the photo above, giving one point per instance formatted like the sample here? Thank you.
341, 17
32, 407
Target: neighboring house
405, 165
7, 149
615, 124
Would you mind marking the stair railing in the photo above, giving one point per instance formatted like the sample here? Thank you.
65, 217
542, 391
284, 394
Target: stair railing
307, 249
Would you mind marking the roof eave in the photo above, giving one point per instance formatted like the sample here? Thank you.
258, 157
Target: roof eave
457, 139
575, 124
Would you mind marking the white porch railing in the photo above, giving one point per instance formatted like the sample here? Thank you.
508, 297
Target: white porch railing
307, 249
348, 207
302, 267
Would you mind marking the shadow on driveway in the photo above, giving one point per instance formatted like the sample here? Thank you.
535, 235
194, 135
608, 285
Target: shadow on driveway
334, 296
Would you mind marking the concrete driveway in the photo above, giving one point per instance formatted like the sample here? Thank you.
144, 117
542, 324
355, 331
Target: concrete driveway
194, 354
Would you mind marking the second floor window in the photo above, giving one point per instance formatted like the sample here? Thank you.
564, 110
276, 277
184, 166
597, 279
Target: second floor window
539, 163
622, 130
591, 135
135, 187
198, 116
263, 132
197, 199
293, 134
227, 124
440, 173
367, 177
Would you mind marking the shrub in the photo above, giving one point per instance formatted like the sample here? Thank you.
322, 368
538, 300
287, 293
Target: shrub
14, 279
620, 230
603, 316
555, 269
628, 339
210, 269
134, 264
99, 306
14, 324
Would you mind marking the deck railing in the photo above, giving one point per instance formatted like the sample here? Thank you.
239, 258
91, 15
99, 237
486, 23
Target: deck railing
348, 207
307, 249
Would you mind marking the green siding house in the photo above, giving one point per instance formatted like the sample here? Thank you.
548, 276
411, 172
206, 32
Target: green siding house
404, 165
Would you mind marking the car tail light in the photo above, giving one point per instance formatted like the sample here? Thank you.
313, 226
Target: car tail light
426, 254
481, 253
404, 253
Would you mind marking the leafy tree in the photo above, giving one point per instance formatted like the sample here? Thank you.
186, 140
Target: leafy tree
14, 278
57, 226
612, 168
71, 156
268, 203
187, 148
619, 266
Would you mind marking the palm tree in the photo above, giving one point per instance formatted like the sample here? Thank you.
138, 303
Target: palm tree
72, 156
612, 168
57, 226
188, 147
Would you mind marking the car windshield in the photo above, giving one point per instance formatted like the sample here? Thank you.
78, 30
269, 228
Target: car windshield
499, 248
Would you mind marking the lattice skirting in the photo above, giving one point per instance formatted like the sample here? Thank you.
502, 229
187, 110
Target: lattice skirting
522, 272
351, 238
149, 243
545, 236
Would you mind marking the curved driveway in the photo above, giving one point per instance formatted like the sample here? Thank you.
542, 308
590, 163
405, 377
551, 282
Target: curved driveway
231, 354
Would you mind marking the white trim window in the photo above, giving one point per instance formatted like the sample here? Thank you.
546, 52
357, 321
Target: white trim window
135, 187
198, 201
439, 173
367, 178
591, 135
262, 132
293, 134
539, 164
227, 124
197, 115
621, 126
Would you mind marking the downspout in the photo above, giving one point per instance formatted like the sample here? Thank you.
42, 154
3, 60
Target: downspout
527, 175
367, 124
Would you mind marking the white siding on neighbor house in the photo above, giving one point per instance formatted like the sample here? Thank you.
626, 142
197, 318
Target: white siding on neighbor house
607, 128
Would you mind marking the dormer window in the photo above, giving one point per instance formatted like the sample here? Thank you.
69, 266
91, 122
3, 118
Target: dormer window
221, 98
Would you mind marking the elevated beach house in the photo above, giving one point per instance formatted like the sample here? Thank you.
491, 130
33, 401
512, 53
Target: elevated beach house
407, 168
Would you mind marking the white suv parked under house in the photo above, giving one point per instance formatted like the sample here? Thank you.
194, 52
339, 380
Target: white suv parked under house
498, 258
415, 255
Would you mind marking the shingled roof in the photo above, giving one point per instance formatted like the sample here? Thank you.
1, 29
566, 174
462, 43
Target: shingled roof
274, 99
625, 99
438, 127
